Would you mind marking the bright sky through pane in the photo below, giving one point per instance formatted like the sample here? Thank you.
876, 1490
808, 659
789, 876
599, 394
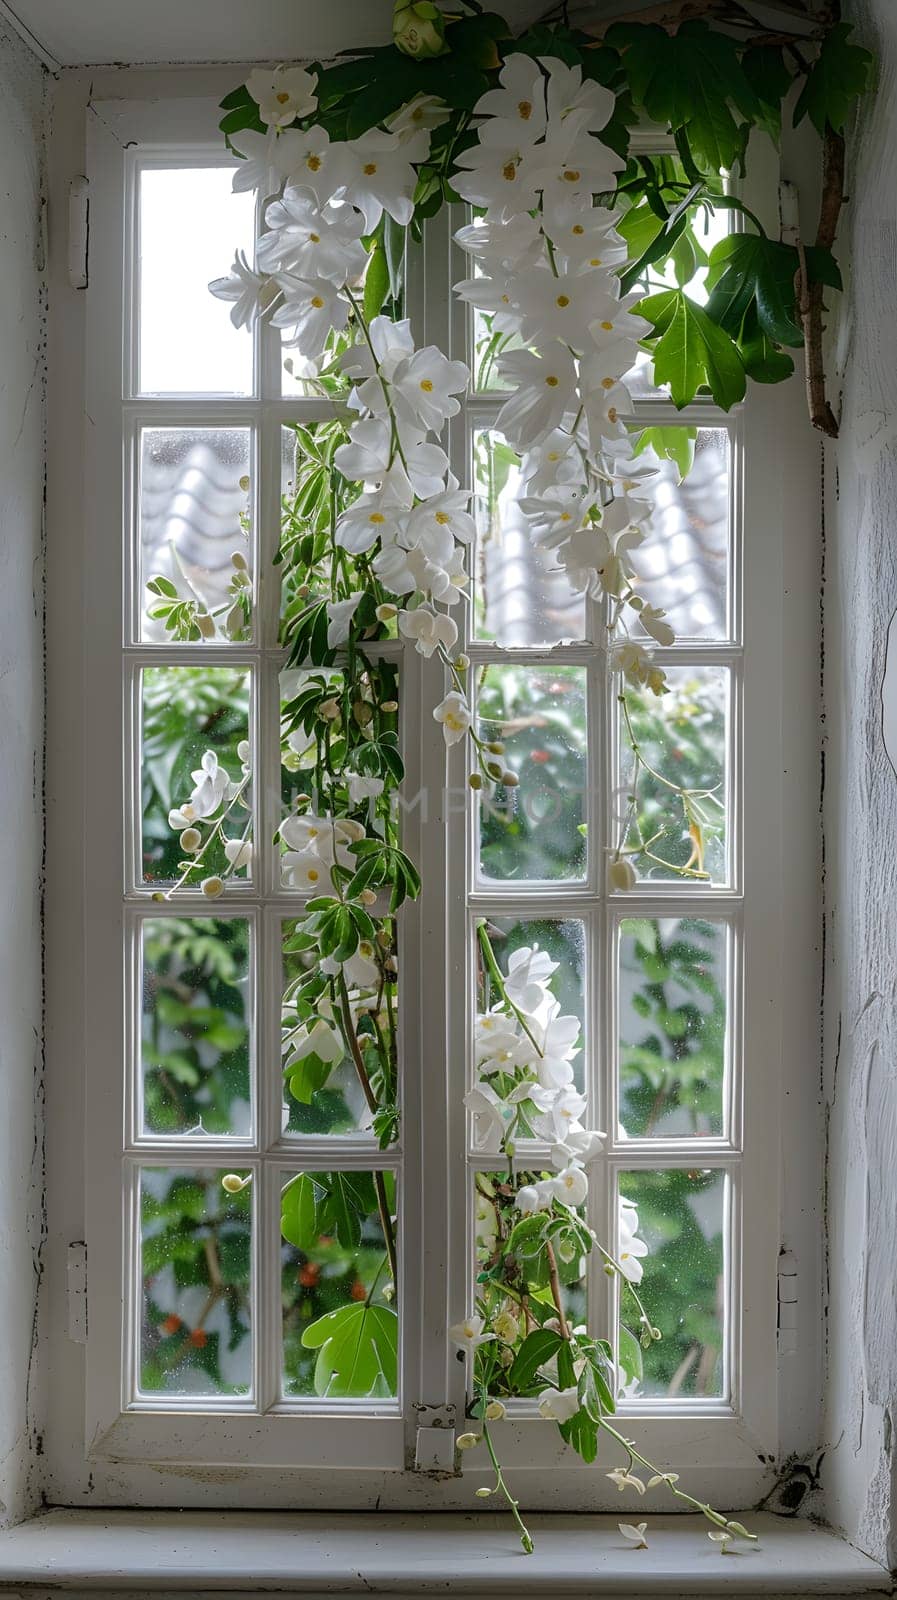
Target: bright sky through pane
190, 226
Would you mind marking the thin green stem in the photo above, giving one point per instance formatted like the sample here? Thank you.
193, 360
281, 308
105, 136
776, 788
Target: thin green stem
500, 1485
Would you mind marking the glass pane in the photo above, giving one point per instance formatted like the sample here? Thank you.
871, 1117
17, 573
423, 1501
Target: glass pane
682, 566
523, 597
340, 1320
330, 767
195, 534
671, 1246
193, 774
544, 963
679, 832
196, 1017
190, 226
536, 830
324, 1092
195, 1271
516, 1296
672, 1017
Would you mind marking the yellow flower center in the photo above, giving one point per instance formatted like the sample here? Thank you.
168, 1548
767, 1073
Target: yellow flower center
595, 261
552, 381
417, 114
571, 175
369, 168
426, 385
454, 722
376, 516
563, 300
607, 326
509, 171
442, 517
315, 238
317, 302
282, 99
313, 163
525, 109
607, 383
577, 228
612, 413
312, 875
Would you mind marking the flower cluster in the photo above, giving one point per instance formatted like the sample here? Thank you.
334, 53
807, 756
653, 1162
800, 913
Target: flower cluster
205, 823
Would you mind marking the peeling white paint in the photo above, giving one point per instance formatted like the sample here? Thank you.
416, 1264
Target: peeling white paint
860, 1473
22, 370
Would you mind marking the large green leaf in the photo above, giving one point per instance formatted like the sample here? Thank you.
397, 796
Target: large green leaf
357, 1347
689, 80
537, 1348
765, 69
748, 268
691, 352
298, 1213
839, 73
581, 1432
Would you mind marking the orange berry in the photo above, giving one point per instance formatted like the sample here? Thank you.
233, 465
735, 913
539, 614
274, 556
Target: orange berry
199, 1338
309, 1274
171, 1324
358, 1291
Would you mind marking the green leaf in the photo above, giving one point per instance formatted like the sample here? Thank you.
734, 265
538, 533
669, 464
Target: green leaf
691, 352
689, 80
629, 1354
581, 1433
766, 72
537, 1348
746, 268
307, 1076
763, 361
670, 444
376, 282
298, 1213
840, 72
357, 1347
595, 1395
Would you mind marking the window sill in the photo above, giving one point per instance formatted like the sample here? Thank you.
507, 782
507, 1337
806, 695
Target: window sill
128, 1552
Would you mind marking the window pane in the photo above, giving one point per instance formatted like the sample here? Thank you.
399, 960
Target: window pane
195, 1270
518, 1282
528, 949
682, 736
196, 1015
195, 534
190, 226
523, 596
682, 566
323, 1090
340, 1320
671, 1245
193, 715
536, 830
672, 1016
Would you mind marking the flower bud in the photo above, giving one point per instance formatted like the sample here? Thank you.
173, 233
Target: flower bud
461, 663
190, 840
385, 613
506, 1356
233, 622
362, 712
329, 710
483, 1493
475, 781
244, 481
494, 770
621, 874
418, 29
495, 1411
232, 1183
303, 591
496, 748
390, 705
158, 897
212, 888
368, 897
238, 560
466, 1441
510, 779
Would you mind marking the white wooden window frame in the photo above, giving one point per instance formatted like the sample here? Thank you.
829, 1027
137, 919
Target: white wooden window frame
720, 1444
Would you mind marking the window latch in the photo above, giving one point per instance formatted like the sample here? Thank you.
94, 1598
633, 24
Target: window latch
76, 1286
434, 1448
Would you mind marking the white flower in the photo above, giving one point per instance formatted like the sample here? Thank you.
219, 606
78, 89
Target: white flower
621, 875
519, 103
559, 1405
587, 103
635, 1534
361, 787
652, 621
546, 389
572, 1186
566, 168
428, 629
309, 161
509, 247
339, 618
663, 1477
424, 111
723, 1539
305, 871
497, 296
560, 306
238, 853
284, 94
384, 179
371, 517
469, 1333
425, 385
454, 714
632, 1249
259, 168
579, 1144
212, 788
497, 179
441, 577
212, 887
586, 238
320, 1041
327, 837
529, 969
391, 342
528, 1200
370, 456
310, 311
626, 1480
441, 515
312, 243
615, 353
361, 970
251, 292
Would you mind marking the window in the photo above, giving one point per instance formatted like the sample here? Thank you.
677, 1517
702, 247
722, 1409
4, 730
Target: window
197, 1300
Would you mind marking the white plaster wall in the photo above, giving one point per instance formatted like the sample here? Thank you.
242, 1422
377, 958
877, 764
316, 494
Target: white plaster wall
22, 366
860, 1472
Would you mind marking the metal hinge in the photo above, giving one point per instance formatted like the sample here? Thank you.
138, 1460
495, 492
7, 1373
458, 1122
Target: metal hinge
76, 1285
79, 232
434, 1449
787, 1323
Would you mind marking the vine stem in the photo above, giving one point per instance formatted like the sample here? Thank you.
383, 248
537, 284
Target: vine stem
555, 1282
681, 1494
379, 1180
500, 1486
